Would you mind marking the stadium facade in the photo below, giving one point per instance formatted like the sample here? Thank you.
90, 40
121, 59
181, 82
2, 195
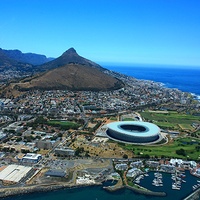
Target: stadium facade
133, 132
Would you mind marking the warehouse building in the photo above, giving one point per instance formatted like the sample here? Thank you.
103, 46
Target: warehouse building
30, 158
55, 173
15, 173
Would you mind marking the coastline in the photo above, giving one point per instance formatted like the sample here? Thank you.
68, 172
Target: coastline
166, 76
7, 192
139, 191
146, 192
15, 191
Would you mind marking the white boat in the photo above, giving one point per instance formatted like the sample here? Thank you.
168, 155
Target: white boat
194, 187
175, 187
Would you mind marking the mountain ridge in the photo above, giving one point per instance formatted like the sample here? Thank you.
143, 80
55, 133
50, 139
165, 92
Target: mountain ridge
30, 58
72, 72
7, 63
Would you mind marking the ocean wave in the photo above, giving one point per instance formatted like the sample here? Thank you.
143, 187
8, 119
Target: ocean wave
195, 96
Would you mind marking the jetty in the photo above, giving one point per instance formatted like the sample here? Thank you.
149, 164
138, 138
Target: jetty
194, 196
136, 188
117, 186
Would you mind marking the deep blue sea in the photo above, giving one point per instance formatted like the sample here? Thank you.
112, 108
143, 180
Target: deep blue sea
186, 79
98, 193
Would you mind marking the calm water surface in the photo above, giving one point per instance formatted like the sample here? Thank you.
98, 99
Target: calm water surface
98, 193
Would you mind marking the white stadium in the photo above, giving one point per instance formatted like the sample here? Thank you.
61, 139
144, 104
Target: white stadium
133, 132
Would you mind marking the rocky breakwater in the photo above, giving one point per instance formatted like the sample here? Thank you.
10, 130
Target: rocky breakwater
11, 191
117, 186
144, 191
140, 190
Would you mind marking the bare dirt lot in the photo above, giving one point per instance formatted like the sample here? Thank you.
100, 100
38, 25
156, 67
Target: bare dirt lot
103, 150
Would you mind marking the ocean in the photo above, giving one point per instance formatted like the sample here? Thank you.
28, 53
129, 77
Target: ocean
182, 78
98, 193
186, 79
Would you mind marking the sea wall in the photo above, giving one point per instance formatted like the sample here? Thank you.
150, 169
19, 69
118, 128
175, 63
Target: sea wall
194, 196
146, 192
113, 188
5, 192
137, 190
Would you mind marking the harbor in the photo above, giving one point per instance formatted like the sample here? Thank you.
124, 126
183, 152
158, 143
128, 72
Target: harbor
97, 192
181, 183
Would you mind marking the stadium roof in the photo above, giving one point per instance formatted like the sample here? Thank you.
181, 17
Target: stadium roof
150, 129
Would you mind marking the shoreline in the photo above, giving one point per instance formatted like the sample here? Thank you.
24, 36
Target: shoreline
169, 85
14, 191
8, 192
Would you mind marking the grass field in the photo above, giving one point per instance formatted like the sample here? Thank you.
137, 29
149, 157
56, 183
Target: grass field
128, 119
171, 120
190, 146
64, 124
175, 121
113, 118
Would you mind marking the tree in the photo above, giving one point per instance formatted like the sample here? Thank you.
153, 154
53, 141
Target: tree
19, 134
147, 156
29, 138
18, 139
125, 156
60, 134
181, 152
78, 151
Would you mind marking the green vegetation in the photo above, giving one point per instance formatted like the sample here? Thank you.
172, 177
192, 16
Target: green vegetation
38, 121
128, 119
81, 152
113, 118
64, 125
171, 120
181, 152
130, 182
186, 148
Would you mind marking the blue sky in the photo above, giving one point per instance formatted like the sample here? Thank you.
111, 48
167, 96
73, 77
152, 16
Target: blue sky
105, 31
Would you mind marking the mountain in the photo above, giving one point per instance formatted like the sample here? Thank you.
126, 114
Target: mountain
73, 72
7, 63
69, 56
31, 58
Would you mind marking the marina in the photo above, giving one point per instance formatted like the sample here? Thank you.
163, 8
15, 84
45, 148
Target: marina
180, 184
157, 181
137, 180
96, 192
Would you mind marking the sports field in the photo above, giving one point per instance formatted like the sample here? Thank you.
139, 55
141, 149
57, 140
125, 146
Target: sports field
171, 120
185, 147
64, 124
191, 149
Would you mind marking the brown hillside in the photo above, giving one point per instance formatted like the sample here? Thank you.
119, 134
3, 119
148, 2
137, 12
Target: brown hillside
72, 77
